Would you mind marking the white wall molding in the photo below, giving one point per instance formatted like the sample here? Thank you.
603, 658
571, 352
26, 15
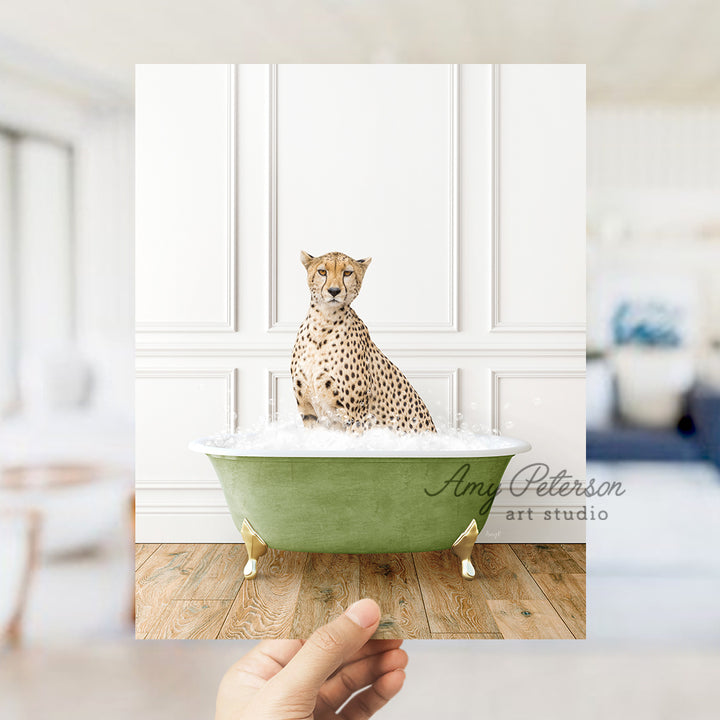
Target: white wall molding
496, 376
228, 324
230, 375
538, 327
275, 325
451, 375
246, 351
178, 509
497, 324
272, 239
273, 376
213, 485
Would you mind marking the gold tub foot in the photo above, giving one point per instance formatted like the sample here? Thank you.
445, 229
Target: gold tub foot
463, 546
256, 547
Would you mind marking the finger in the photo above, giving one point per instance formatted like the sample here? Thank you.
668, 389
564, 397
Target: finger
265, 660
355, 676
370, 700
268, 657
249, 674
328, 648
281, 651
374, 647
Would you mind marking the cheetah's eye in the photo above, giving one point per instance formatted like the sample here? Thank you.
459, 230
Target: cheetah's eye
322, 272
348, 273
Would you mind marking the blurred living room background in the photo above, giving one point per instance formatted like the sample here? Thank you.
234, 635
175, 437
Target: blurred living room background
66, 360
653, 362
66, 380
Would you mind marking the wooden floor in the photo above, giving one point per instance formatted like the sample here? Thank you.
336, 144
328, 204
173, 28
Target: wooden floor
520, 591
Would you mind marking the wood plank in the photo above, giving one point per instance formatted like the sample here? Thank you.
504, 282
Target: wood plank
189, 620
453, 604
161, 576
204, 555
219, 577
502, 575
264, 607
145, 614
391, 580
142, 552
545, 558
528, 620
577, 552
467, 636
566, 592
330, 584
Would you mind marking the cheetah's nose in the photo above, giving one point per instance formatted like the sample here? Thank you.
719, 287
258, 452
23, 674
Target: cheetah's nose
334, 291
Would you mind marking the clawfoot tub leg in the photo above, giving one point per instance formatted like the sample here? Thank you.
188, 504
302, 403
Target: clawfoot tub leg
255, 546
463, 546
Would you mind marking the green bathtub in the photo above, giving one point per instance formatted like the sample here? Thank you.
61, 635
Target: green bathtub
367, 503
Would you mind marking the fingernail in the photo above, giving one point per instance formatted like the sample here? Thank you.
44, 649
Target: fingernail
364, 612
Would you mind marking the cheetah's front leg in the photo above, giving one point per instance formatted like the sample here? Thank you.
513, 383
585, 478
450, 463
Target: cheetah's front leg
308, 414
305, 407
335, 413
358, 421
309, 421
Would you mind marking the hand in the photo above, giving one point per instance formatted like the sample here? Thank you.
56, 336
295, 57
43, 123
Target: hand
311, 680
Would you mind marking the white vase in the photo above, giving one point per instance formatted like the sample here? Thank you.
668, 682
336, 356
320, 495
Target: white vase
652, 383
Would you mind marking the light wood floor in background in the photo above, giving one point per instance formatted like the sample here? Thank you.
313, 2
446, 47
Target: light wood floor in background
520, 591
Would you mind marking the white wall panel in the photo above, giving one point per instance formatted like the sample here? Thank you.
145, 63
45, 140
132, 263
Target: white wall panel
172, 407
547, 407
184, 276
281, 402
439, 389
539, 248
365, 163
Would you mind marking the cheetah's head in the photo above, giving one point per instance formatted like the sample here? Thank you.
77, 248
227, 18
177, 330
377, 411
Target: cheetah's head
334, 278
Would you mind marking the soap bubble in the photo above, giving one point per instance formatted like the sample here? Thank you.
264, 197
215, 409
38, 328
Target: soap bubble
289, 434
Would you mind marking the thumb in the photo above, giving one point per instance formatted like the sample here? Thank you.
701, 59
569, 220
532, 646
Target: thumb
328, 648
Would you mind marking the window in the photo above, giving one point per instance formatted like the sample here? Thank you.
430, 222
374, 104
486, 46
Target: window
37, 267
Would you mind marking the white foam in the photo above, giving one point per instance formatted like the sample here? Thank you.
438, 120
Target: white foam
289, 438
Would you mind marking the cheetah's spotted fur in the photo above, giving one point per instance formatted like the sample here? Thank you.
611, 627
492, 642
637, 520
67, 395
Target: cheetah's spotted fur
340, 377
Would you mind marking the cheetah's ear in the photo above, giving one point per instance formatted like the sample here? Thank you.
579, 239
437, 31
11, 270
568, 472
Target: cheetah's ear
305, 258
364, 262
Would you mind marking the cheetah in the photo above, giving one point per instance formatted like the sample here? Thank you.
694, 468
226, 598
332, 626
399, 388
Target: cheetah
339, 376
